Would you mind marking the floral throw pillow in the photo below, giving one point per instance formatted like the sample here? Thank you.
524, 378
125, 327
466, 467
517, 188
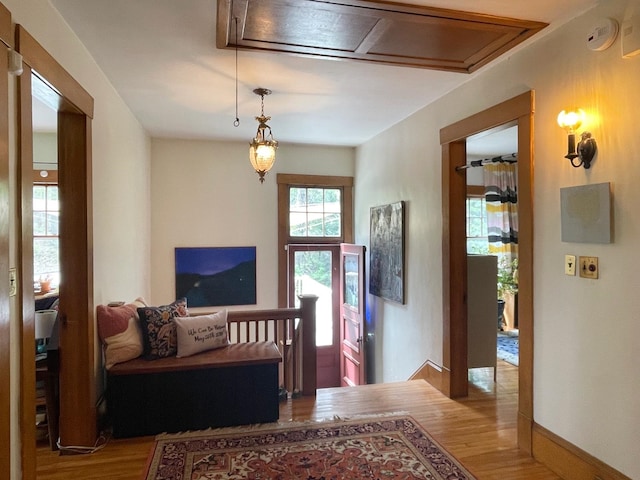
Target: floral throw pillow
159, 329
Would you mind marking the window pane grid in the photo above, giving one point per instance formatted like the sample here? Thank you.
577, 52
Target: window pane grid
315, 212
477, 233
46, 222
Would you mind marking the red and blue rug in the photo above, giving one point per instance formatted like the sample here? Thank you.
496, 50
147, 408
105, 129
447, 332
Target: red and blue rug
375, 448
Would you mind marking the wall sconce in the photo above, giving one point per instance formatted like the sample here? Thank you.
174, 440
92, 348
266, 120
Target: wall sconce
262, 150
586, 148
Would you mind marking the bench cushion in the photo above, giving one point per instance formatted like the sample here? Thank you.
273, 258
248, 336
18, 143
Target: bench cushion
236, 354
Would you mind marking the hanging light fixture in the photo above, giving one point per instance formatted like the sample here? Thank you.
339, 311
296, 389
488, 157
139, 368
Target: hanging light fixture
262, 150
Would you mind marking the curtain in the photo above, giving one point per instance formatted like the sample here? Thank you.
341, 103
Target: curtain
501, 198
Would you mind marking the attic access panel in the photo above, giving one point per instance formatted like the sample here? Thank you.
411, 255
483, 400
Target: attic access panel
389, 33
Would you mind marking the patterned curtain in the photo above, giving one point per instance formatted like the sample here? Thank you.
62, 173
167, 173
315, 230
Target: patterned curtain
501, 197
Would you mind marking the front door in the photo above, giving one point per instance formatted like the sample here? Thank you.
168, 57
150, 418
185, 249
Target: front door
352, 308
315, 269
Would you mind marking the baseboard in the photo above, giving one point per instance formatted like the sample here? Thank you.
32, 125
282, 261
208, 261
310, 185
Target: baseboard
567, 460
432, 373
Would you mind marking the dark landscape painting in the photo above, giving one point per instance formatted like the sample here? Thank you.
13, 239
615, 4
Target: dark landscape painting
386, 278
216, 276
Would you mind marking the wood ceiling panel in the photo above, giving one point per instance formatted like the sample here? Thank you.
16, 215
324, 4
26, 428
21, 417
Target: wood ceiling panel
378, 32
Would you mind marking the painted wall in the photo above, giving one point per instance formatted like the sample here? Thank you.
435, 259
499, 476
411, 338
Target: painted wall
121, 192
206, 194
586, 382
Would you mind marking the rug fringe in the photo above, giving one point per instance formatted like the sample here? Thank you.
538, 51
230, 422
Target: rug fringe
276, 425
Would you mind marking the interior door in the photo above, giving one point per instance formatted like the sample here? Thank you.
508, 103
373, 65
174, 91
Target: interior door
352, 308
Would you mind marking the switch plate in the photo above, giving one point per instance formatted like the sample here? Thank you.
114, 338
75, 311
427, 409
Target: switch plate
13, 282
570, 265
589, 267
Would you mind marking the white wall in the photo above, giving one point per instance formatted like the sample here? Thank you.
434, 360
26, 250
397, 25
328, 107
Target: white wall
121, 187
206, 194
587, 333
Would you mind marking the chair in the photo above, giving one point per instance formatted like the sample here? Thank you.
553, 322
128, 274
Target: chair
47, 361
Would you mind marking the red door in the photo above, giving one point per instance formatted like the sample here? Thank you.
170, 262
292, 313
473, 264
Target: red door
352, 308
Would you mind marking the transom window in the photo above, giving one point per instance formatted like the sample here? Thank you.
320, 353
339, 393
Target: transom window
315, 212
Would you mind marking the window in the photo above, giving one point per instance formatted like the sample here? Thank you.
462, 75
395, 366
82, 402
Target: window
315, 212
46, 216
312, 210
477, 225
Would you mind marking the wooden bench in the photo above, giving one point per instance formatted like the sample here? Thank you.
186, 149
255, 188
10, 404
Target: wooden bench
233, 385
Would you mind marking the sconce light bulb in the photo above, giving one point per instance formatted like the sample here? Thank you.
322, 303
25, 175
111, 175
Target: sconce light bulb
571, 120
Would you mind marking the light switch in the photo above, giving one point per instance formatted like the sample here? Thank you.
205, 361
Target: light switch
589, 267
570, 264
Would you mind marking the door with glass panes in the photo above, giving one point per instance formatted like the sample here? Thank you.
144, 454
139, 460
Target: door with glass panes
315, 269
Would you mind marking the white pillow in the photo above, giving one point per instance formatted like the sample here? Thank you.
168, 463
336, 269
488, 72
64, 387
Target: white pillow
205, 332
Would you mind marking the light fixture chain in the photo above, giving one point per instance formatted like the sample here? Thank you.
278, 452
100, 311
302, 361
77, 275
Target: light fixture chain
236, 122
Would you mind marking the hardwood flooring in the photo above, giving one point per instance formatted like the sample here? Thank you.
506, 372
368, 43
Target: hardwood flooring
480, 430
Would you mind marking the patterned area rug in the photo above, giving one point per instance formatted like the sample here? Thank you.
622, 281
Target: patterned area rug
508, 347
376, 448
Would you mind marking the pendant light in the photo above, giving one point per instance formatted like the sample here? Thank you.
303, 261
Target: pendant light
262, 150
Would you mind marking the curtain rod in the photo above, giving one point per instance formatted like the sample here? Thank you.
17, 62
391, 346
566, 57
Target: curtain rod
509, 158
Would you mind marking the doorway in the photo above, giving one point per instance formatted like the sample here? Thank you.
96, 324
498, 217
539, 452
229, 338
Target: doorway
453, 140
314, 269
74, 107
492, 231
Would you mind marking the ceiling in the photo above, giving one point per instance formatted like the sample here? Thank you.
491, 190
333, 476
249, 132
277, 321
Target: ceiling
161, 57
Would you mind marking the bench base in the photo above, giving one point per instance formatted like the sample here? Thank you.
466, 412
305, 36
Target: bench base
176, 401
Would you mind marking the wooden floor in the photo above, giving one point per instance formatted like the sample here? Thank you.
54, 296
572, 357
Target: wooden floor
480, 430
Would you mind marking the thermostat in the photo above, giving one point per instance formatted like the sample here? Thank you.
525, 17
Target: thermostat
602, 35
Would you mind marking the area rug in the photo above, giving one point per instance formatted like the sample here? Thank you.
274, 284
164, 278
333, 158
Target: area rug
376, 448
508, 348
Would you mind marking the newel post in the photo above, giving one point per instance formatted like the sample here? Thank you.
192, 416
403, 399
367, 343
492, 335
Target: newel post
308, 311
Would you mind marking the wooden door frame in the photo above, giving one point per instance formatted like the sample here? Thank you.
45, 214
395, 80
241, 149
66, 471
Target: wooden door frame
6, 39
78, 417
519, 109
285, 181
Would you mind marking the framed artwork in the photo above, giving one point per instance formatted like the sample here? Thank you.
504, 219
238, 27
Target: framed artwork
386, 277
216, 276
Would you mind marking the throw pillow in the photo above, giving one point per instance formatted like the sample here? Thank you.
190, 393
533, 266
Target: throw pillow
159, 329
120, 332
205, 332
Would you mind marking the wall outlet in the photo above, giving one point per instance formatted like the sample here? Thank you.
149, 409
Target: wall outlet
570, 264
589, 267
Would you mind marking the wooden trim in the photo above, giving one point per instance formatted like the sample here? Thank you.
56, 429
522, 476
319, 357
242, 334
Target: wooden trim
284, 181
431, 372
495, 116
50, 71
453, 139
475, 191
314, 180
78, 414
26, 308
525, 273
569, 461
50, 179
6, 27
454, 262
5, 311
